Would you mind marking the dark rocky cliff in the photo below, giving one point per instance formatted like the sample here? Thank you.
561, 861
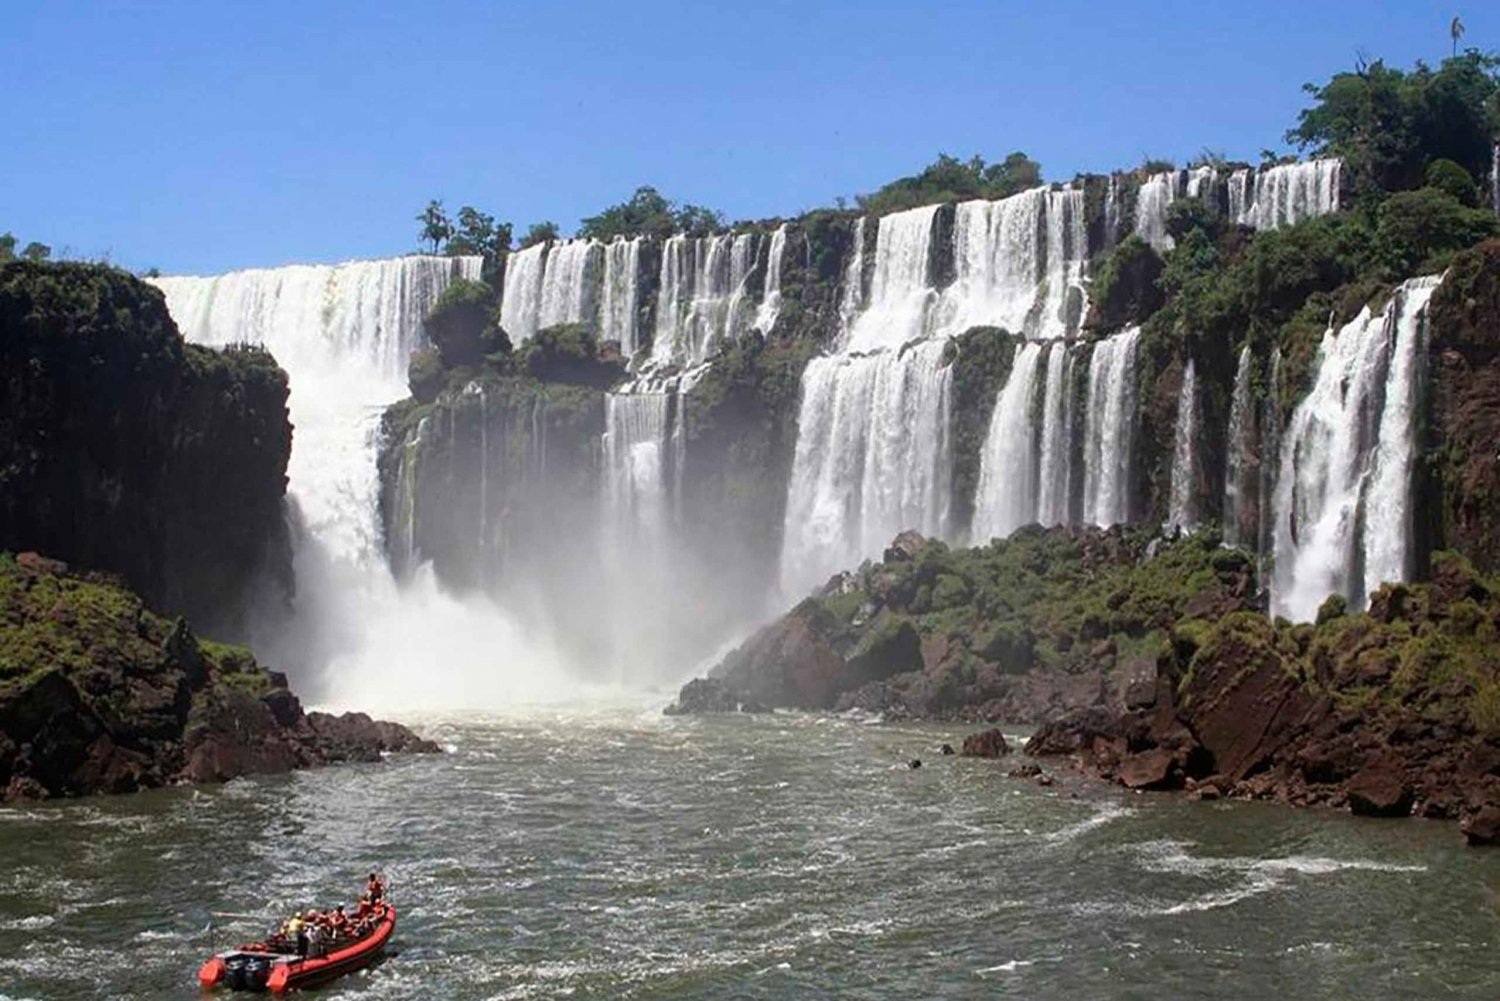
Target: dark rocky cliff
124, 449
99, 694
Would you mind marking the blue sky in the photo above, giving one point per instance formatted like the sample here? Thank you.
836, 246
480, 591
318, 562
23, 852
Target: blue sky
205, 136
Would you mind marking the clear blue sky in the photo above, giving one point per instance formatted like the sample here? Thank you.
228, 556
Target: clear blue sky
204, 136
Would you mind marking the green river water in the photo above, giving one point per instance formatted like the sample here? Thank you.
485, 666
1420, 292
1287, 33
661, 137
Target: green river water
615, 853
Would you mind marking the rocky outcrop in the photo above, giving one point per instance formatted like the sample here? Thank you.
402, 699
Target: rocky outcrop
1465, 419
1391, 713
1019, 630
99, 694
124, 449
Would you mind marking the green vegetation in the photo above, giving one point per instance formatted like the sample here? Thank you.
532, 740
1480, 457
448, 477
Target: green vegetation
1065, 599
648, 213
949, 179
474, 234
540, 232
1388, 125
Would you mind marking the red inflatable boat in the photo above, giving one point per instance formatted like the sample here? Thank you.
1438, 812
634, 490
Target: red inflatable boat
259, 970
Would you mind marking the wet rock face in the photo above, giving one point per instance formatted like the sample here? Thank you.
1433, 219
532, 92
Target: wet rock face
98, 694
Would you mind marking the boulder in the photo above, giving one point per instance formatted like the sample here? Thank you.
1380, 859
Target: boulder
1147, 770
703, 695
1380, 789
987, 744
905, 547
1482, 827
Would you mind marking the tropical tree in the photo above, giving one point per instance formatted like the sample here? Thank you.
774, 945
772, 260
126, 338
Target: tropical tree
1456, 31
436, 227
7, 247
477, 233
36, 252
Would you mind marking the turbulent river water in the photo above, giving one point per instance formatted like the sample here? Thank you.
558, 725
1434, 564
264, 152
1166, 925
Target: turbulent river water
615, 853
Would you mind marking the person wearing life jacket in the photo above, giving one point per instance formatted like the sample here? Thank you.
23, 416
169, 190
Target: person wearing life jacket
376, 889
338, 923
295, 929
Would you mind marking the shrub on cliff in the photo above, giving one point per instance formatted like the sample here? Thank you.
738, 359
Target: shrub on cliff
1420, 231
463, 326
949, 179
1125, 288
569, 353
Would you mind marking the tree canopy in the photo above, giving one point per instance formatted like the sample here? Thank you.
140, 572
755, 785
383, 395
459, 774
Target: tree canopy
949, 179
1388, 125
649, 213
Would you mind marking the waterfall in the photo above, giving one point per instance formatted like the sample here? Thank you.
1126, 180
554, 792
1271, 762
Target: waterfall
1200, 182
901, 295
872, 459
1239, 468
1054, 480
1109, 427
1495, 178
1239, 194
1289, 193
1182, 505
521, 301
1018, 264
344, 334
770, 303
852, 299
569, 283
1152, 201
1006, 497
1343, 502
1112, 212
617, 315
638, 464
1270, 449
703, 300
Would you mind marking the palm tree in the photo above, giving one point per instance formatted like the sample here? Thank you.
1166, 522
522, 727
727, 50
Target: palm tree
1456, 29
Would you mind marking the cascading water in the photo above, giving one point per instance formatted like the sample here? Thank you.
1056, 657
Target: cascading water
1018, 264
521, 301
1289, 193
569, 283
1151, 203
1182, 507
1055, 478
872, 455
1495, 178
852, 299
770, 303
617, 315
344, 335
703, 298
1006, 497
1239, 194
1343, 502
1270, 450
1109, 429
1201, 181
1239, 467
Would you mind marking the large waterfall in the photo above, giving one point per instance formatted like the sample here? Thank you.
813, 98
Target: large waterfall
703, 300
1182, 505
1285, 194
551, 283
1343, 501
1006, 497
872, 454
1018, 264
618, 315
1153, 199
344, 334
1109, 429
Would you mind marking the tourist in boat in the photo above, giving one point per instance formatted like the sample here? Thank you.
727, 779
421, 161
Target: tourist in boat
376, 888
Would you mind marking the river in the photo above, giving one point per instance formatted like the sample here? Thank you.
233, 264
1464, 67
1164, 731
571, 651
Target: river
614, 853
